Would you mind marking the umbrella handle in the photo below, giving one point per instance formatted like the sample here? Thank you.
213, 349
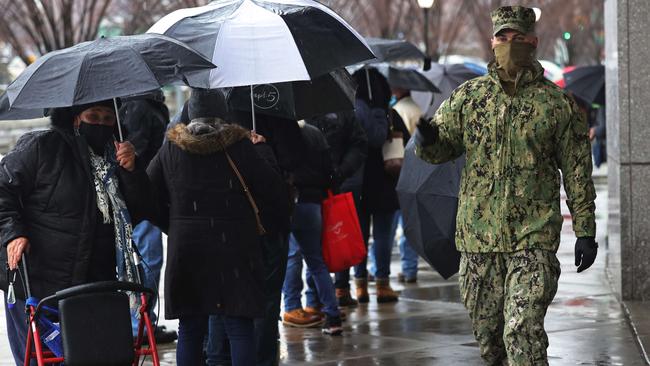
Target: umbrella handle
368, 83
117, 115
253, 108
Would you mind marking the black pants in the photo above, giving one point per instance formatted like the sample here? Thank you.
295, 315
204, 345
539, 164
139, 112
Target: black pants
276, 250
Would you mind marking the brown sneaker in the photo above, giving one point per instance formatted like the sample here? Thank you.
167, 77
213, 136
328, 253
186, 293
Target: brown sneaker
384, 292
298, 318
344, 298
362, 290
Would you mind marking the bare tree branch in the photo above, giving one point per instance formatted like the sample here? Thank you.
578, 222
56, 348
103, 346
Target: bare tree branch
40, 26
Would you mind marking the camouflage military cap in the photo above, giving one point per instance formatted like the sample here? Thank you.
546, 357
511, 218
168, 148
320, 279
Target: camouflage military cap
518, 18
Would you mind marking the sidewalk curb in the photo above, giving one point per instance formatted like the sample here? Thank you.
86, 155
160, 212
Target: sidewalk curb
635, 332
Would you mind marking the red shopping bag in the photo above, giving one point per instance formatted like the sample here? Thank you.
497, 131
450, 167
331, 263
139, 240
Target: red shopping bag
343, 245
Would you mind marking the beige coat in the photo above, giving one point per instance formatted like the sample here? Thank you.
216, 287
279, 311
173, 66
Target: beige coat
409, 111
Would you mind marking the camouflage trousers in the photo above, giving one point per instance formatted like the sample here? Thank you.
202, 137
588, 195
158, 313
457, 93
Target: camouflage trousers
507, 295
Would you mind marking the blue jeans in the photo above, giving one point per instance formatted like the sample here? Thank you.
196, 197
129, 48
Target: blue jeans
191, 332
148, 240
236, 333
305, 241
17, 330
383, 234
311, 294
407, 254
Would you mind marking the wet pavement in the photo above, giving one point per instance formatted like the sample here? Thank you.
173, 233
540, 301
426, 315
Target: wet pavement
429, 326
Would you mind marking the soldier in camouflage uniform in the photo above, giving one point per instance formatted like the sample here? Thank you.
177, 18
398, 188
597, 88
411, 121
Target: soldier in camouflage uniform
518, 131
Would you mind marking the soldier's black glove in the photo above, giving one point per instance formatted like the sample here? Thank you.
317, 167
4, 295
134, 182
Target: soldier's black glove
428, 132
586, 250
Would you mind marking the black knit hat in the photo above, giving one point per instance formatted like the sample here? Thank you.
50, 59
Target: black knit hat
207, 103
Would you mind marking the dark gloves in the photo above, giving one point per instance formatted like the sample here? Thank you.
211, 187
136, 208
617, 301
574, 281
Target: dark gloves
586, 250
336, 180
428, 132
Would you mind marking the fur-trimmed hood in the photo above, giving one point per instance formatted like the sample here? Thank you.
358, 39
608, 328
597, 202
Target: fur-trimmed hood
205, 136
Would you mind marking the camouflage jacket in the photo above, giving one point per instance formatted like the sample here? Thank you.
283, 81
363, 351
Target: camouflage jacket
515, 149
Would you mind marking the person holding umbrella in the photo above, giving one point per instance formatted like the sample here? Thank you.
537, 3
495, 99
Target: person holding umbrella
72, 194
518, 131
211, 187
69, 198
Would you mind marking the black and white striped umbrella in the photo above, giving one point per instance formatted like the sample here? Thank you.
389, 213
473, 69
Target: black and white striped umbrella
262, 41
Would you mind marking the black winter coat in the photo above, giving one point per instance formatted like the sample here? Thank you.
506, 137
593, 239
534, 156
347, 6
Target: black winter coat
348, 146
378, 194
47, 194
214, 252
145, 122
314, 176
282, 134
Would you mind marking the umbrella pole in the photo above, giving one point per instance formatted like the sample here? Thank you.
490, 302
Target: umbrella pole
117, 115
368, 83
253, 108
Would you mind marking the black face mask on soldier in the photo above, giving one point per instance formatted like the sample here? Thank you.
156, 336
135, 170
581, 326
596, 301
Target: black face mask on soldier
97, 136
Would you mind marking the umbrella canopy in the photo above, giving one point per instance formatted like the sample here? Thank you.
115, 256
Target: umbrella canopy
551, 71
263, 41
9, 114
561, 82
446, 78
410, 79
477, 68
104, 69
333, 92
390, 50
428, 197
587, 83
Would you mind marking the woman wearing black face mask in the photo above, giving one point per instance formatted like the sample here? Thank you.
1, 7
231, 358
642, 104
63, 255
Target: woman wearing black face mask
68, 199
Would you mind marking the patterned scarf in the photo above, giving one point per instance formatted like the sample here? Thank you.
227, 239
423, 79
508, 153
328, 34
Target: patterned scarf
109, 200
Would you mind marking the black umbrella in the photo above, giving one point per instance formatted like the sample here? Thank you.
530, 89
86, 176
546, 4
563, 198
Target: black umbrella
587, 83
428, 197
297, 100
446, 78
389, 50
410, 79
104, 69
10, 114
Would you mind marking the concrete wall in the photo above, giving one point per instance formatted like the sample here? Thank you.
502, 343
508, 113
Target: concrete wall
628, 127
